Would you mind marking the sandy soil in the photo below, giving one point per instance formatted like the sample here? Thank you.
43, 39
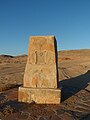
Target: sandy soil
74, 76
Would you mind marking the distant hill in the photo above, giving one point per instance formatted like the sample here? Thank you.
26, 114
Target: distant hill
74, 54
12, 59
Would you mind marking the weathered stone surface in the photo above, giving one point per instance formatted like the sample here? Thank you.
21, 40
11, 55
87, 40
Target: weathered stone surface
41, 72
40, 96
41, 68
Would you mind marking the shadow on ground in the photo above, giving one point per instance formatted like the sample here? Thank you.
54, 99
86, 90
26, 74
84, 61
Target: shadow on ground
71, 86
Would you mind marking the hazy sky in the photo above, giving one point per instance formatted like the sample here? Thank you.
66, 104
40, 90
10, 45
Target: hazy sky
68, 20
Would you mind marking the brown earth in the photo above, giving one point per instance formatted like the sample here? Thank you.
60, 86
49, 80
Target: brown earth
74, 75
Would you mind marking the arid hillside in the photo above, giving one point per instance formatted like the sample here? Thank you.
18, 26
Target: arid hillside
70, 64
73, 63
74, 81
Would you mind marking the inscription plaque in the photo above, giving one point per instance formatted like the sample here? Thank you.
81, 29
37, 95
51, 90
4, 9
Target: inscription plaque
37, 57
40, 57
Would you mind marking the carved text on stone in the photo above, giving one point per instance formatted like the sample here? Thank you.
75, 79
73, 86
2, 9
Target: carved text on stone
40, 57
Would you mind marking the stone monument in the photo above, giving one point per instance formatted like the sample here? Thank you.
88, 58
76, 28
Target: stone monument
41, 72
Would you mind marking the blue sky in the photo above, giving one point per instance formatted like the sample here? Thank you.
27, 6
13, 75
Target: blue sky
68, 20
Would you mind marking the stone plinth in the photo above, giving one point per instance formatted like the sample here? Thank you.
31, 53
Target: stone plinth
40, 96
41, 72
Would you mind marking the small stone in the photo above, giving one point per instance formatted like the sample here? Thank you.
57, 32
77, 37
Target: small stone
41, 118
54, 117
60, 111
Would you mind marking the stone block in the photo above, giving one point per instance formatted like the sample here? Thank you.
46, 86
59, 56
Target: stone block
41, 67
39, 96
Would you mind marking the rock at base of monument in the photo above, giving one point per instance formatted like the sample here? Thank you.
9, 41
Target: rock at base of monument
39, 96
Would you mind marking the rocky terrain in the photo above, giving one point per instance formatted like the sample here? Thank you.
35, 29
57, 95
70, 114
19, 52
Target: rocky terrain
74, 81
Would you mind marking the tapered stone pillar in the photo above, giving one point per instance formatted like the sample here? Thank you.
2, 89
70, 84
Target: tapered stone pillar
41, 72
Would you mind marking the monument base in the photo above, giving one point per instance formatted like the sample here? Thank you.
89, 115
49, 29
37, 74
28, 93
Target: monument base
39, 96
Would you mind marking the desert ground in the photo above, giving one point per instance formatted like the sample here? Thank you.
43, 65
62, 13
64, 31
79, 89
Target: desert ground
74, 82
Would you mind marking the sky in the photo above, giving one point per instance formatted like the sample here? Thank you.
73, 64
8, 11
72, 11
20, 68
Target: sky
68, 20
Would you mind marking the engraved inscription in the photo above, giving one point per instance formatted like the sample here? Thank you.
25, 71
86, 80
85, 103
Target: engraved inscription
41, 57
